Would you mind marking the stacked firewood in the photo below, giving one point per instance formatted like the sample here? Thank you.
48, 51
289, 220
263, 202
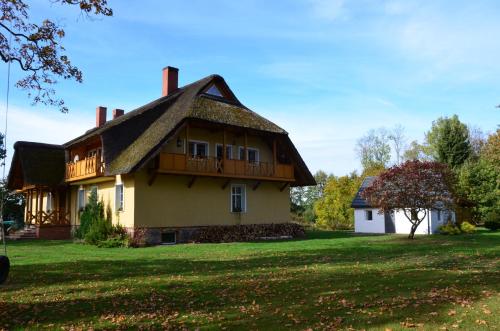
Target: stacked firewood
250, 232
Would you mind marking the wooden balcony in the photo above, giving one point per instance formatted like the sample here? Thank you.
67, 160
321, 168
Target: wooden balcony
87, 168
211, 166
53, 217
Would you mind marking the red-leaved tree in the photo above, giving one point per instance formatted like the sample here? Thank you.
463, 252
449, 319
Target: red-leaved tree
414, 187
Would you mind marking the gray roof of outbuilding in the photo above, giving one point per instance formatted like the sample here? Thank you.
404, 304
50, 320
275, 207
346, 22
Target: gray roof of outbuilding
359, 201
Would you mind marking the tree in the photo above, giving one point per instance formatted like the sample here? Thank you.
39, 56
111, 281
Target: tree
13, 205
36, 47
479, 180
333, 209
449, 142
373, 149
398, 139
303, 198
416, 151
477, 140
413, 187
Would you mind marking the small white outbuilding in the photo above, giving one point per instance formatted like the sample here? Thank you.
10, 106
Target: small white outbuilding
369, 219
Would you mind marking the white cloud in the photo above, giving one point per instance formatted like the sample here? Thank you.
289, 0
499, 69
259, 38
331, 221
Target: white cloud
459, 40
47, 126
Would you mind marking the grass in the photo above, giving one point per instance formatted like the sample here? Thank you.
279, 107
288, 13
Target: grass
330, 280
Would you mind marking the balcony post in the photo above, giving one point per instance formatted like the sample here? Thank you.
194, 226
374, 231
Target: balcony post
36, 206
274, 156
187, 144
223, 148
245, 153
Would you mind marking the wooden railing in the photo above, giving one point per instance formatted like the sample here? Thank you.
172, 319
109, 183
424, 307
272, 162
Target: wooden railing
211, 166
53, 217
86, 168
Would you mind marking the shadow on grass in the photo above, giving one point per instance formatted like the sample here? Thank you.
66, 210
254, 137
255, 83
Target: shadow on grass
369, 283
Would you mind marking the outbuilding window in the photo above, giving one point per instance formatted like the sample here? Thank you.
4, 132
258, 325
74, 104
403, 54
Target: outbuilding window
238, 198
369, 215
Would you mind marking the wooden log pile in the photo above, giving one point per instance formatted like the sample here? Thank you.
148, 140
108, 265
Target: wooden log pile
250, 232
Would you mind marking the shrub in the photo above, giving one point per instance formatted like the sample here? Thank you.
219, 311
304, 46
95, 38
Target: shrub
138, 239
99, 231
113, 242
92, 213
493, 221
467, 227
449, 228
96, 229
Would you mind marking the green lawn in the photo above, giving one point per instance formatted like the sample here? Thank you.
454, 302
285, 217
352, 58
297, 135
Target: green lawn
330, 280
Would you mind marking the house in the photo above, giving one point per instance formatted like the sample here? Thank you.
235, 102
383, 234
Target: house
369, 219
193, 158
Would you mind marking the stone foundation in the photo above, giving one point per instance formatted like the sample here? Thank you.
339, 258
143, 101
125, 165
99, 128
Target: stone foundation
228, 233
53, 232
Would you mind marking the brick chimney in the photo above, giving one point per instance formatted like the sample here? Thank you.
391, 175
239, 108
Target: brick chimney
100, 116
117, 113
170, 80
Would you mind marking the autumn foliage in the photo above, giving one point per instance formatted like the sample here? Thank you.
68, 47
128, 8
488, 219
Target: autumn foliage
414, 187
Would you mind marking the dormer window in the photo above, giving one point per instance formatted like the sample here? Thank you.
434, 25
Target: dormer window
213, 90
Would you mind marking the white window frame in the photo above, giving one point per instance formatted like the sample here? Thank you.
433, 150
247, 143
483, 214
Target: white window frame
81, 206
119, 199
48, 203
257, 153
228, 156
195, 150
366, 215
243, 198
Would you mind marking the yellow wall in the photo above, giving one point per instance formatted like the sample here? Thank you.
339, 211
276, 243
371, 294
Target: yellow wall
213, 138
168, 202
106, 194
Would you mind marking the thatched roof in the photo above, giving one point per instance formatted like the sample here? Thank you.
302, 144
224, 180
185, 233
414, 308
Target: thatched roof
133, 139
36, 164
359, 201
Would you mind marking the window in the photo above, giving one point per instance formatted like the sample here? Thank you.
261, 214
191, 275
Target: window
252, 154
369, 215
119, 197
213, 90
229, 151
81, 198
94, 152
238, 199
198, 149
168, 237
439, 215
48, 206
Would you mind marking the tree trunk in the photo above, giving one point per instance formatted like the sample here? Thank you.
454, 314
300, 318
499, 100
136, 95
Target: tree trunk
415, 222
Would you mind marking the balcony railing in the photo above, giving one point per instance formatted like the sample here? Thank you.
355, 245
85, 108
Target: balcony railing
53, 217
83, 169
211, 166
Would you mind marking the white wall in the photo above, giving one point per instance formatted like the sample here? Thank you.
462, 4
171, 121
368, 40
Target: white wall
362, 225
403, 225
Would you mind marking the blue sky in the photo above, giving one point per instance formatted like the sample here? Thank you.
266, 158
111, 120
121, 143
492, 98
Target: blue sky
326, 71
